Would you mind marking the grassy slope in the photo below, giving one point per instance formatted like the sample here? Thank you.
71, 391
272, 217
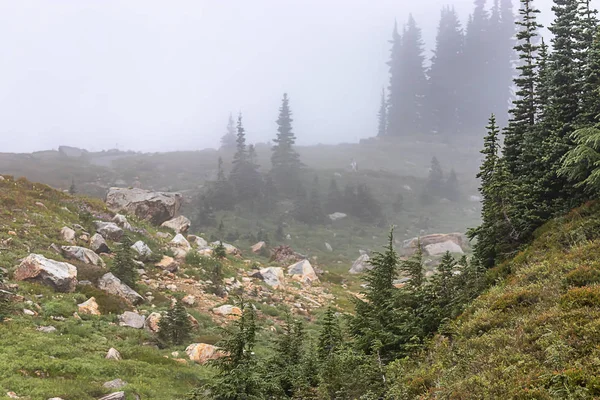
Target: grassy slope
534, 335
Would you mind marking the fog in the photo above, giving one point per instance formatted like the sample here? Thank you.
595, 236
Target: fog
151, 75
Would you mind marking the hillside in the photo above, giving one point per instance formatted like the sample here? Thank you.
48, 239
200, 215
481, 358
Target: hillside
53, 346
533, 335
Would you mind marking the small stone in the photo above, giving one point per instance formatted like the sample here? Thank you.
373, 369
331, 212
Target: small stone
189, 300
113, 354
89, 307
114, 396
46, 329
67, 234
29, 312
114, 384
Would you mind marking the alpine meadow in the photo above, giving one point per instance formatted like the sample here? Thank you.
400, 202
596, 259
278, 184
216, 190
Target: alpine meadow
316, 200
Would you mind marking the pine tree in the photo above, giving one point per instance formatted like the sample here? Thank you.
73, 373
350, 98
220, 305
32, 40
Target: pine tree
382, 116
317, 215
220, 195
374, 325
240, 158
443, 284
240, 374
72, 188
496, 232
408, 85
175, 325
581, 164
446, 75
413, 268
434, 188
244, 175
330, 335
542, 83
476, 66
590, 100
124, 266
289, 356
228, 141
334, 198
285, 160
524, 106
220, 252
451, 187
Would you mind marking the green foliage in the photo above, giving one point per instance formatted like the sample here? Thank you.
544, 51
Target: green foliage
330, 335
219, 251
124, 266
175, 326
582, 163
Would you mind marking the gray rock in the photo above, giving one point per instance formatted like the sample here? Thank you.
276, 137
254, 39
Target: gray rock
109, 230
113, 285
67, 234
61, 276
132, 320
46, 329
156, 207
303, 271
113, 354
115, 384
82, 254
198, 241
272, 276
179, 224
98, 244
328, 247
361, 264
337, 216
142, 249
437, 249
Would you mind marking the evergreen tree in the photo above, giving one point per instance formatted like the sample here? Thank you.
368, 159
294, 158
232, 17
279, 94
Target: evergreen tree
330, 335
228, 141
542, 83
382, 116
446, 75
72, 188
408, 86
366, 207
413, 268
244, 175
524, 106
451, 188
124, 266
476, 66
220, 195
581, 164
590, 99
374, 325
317, 215
334, 198
220, 252
240, 374
496, 232
443, 285
434, 188
175, 325
285, 160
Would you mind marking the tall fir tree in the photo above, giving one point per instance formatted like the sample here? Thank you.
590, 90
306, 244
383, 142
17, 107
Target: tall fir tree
408, 85
124, 266
446, 75
228, 141
285, 161
175, 325
330, 335
244, 175
524, 106
382, 116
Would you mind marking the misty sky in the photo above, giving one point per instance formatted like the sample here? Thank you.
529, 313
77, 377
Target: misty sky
156, 75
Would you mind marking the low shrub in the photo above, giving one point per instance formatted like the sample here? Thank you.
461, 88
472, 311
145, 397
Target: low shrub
587, 296
582, 276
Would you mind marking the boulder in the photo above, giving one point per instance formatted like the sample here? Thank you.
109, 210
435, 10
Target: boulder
114, 384
337, 216
229, 249
61, 276
437, 249
121, 220
67, 234
132, 320
98, 244
303, 271
82, 254
361, 264
89, 307
227, 310
113, 354
328, 247
272, 276
109, 230
259, 247
198, 241
156, 207
202, 352
179, 224
142, 249
168, 264
410, 246
152, 322
113, 285
180, 246
114, 396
